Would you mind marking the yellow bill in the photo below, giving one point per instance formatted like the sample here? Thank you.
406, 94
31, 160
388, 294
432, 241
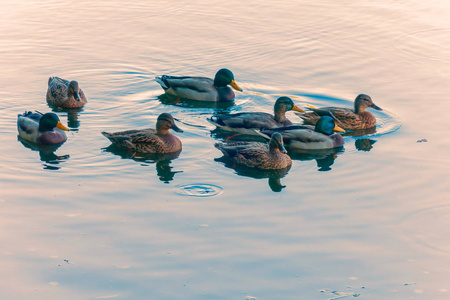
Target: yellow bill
61, 126
338, 129
296, 108
235, 86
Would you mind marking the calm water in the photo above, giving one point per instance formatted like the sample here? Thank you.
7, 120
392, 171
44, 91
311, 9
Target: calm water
86, 221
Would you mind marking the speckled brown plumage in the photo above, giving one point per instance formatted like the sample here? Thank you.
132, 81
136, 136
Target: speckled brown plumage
150, 140
346, 118
64, 93
257, 155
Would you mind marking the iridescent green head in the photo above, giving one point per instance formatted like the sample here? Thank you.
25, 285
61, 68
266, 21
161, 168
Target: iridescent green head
276, 142
225, 77
327, 125
286, 104
49, 121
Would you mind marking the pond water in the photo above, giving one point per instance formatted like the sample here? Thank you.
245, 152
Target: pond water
88, 221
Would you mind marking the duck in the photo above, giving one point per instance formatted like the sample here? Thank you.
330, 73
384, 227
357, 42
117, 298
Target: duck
64, 93
146, 141
42, 129
346, 118
247, 122
201, 88
258, 155
307, 137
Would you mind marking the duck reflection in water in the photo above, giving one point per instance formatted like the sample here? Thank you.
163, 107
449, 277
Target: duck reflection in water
364, 144
324, 157
274, 176
46, 154
162, 160
218, 107
72, 116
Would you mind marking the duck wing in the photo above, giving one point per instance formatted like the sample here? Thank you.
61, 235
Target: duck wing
251, 120
57, 88
200, 84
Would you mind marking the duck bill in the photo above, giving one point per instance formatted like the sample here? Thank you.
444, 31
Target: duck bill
338, 129
375, 107
235, 86
76, 95
282, 149
176, 128
62, 127
296, 108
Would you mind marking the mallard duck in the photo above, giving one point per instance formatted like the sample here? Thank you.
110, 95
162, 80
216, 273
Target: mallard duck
150, 140
346, 118
201, 88
247, 122
43, 129
258, 155
307, 137
64, 93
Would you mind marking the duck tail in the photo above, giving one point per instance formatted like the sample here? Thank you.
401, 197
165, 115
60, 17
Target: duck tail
50, 79
163, 82
216, 121
267, 137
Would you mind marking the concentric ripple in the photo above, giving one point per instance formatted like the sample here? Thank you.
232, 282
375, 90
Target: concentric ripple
198, 190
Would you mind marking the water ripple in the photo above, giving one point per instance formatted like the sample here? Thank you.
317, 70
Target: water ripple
198, 190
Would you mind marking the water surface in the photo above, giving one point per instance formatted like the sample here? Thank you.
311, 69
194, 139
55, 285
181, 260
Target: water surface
88, 221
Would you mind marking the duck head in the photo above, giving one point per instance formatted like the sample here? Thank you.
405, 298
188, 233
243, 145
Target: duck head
49, 121
165, 122
284, 104
276, 142
73, 90
327, 125
225, 77
362, 101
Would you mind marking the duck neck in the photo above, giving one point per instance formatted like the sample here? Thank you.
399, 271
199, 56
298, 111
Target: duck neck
161, 130
359, 108
280, 115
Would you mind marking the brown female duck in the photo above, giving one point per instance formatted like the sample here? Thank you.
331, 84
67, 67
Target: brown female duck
346, 118
247, 122
42, 129
150, 140
64, 93
258, 155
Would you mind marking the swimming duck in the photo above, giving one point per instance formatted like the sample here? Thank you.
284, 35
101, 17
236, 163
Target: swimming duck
346, 118
64, 93
258, 155
307, 137
247, 122
150, 140
43, 129
201, 88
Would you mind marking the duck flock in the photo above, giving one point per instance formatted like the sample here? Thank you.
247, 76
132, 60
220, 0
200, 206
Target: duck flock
321, 129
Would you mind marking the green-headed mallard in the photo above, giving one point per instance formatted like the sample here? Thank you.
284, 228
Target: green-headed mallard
201, 88
43, 129
247, 122
150, 140
257, 155
307, 137
346, 118
64, 93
